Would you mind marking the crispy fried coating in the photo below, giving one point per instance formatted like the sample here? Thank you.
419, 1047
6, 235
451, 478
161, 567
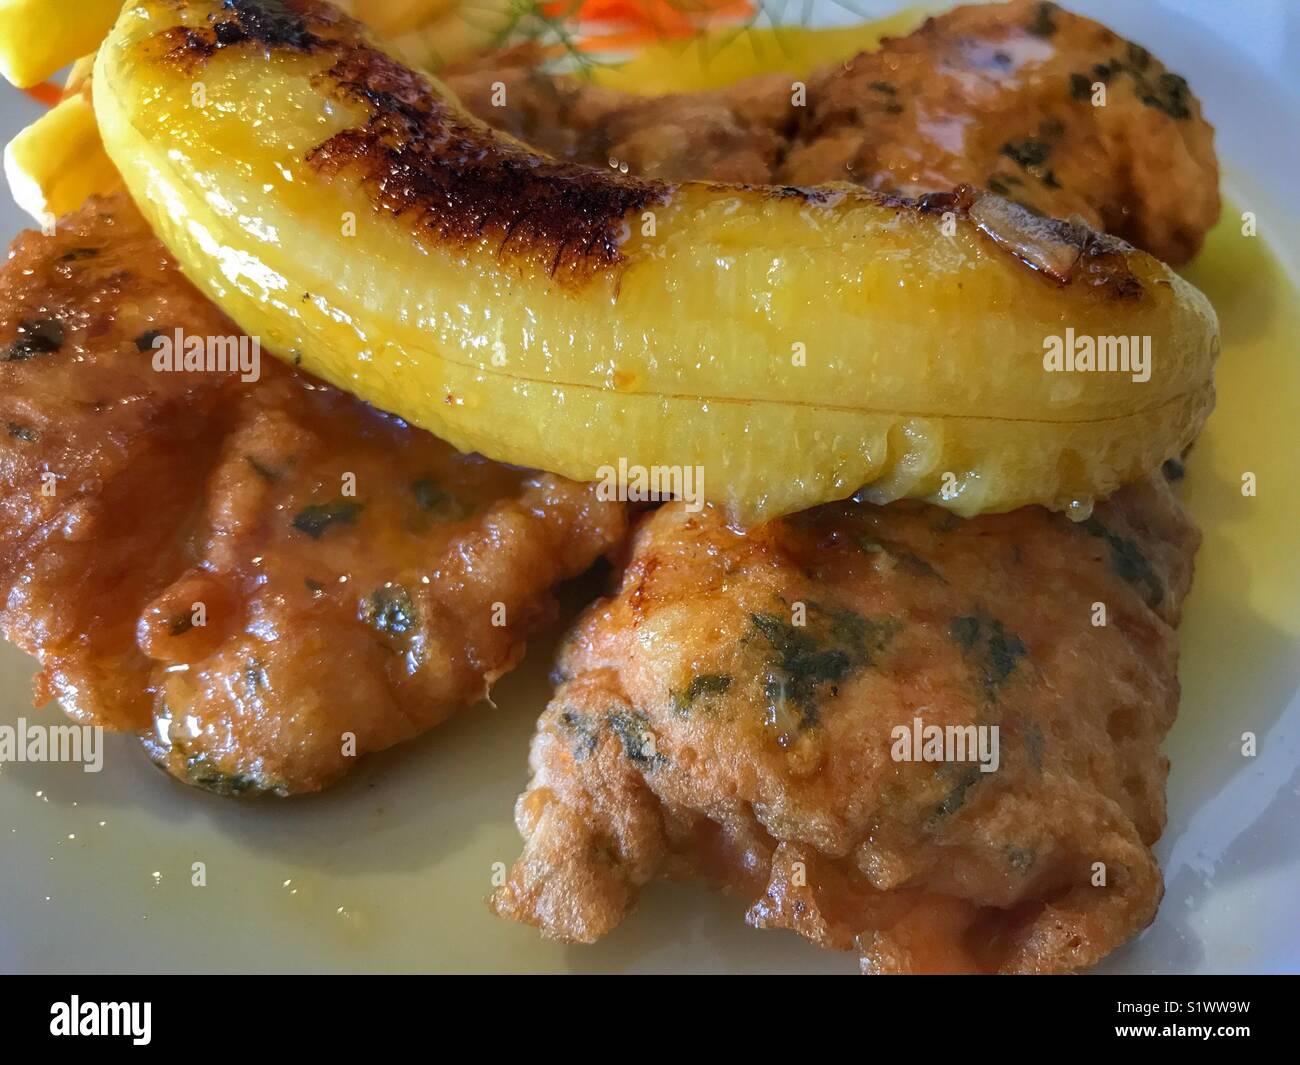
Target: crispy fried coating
736, 134
265, 579
731, 713
1003, 97
999, 96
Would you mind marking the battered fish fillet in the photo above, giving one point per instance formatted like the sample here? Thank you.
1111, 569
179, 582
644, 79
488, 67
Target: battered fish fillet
999, 96
263, 579
731, 714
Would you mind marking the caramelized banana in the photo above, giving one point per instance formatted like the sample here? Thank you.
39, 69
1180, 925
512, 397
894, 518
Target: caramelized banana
794, 344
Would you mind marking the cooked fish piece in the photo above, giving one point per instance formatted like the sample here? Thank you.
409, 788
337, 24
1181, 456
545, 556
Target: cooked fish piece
264, 578
1050, 109
739, 133
999, 96
700, 730
733, 713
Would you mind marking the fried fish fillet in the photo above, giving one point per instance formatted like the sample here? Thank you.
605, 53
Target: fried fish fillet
265, 579
1047, 108
733, 713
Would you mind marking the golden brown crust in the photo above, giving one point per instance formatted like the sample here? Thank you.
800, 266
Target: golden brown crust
1002, 97
454, 181
419, 158
699, 729
994, 96
357, 576
738, 134
100, 453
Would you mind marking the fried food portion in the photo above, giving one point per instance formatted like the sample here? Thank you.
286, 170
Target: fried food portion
263, 578
733, 713
738, 134
999, 96
567, 318
1010, 98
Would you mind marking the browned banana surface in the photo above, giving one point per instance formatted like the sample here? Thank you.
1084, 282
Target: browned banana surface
798, 343
1000, 96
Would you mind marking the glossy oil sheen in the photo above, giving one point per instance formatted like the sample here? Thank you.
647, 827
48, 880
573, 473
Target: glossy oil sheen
388, 871
899, 323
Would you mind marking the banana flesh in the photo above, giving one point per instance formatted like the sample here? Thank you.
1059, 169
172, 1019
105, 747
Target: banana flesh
792, 344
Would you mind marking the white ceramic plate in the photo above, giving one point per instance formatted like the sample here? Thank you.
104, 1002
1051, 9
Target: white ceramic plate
388, 871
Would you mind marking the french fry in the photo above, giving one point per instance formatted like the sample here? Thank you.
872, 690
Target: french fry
38, 37
59, 160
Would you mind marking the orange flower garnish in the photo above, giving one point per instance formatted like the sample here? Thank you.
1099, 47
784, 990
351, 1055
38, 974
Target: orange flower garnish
46, 92
638, 21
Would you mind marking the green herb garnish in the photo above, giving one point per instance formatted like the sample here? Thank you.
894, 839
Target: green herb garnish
579, 726
202, 774
315, 519
390, 610
704, 685
633, 729
1129, 562
811, 657
1028, 153
998, 650
967, 777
